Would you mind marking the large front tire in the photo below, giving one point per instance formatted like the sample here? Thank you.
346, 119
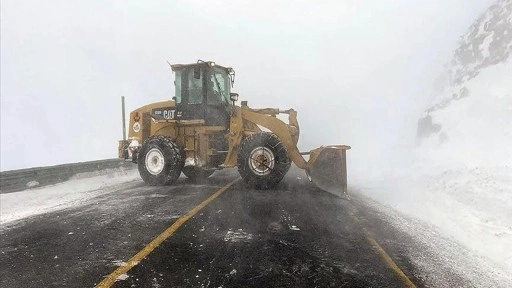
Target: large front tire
159, 161
263, 160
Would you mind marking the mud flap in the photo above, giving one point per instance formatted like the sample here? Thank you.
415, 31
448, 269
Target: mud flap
329, 169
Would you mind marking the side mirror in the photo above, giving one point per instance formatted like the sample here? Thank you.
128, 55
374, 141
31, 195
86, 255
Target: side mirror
233, 97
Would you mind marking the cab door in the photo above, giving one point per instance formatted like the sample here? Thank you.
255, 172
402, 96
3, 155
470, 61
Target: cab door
218, 108
203, 94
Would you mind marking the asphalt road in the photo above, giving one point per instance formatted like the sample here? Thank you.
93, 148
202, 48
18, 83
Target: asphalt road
293, 236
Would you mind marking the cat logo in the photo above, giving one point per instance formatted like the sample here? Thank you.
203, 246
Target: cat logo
167, 113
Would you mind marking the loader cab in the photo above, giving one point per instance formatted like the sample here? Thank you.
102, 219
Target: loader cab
202, 92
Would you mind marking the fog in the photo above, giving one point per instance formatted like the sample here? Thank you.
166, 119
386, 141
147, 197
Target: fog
358, 72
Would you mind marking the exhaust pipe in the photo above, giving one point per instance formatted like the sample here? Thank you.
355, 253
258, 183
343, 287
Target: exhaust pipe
123, 144
124, 120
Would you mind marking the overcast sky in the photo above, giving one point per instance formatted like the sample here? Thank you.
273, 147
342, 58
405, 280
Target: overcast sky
358, 72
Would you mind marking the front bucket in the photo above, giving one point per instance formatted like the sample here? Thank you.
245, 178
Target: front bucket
328, 170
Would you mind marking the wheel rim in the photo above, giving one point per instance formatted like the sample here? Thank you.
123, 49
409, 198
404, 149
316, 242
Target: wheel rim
155, 161
262, 161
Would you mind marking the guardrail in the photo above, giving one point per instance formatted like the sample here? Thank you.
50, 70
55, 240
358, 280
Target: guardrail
17, 180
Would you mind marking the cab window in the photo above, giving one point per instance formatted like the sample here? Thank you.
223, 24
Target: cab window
218, 87
177, 87
195, 86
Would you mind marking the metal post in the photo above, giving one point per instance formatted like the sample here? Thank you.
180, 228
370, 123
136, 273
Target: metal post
344, 173
124, 121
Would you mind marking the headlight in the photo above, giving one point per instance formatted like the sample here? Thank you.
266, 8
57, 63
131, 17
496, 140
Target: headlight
134, 144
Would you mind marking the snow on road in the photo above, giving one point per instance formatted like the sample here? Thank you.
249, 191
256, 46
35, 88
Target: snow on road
18, 205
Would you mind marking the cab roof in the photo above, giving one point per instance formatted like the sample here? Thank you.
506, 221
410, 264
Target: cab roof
175, 67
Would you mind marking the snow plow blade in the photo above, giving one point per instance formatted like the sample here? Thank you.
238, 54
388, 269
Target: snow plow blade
328, 169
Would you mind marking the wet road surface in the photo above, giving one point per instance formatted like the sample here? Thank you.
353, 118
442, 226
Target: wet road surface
292, 236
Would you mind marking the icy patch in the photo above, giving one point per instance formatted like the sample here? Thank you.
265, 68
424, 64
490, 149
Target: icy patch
158, 196
122, 277
294, 228
119, 263
237, 236
18, 205
287, 220
155, 283
32, 183
122, 263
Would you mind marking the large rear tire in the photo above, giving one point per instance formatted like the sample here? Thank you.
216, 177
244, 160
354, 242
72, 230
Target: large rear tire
159, 161
263, 160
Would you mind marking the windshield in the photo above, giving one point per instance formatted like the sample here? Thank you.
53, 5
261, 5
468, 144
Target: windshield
219, 87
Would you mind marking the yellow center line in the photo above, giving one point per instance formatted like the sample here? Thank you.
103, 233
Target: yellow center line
383, 254
391, 264
112, 277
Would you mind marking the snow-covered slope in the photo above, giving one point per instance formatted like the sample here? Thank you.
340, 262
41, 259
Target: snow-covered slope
465, 142
474, 130
473, 98
459, 176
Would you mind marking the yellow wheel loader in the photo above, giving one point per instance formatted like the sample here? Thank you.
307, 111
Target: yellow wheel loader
202, 130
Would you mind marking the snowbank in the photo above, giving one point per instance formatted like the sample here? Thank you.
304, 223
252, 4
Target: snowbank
471, 206
17, 205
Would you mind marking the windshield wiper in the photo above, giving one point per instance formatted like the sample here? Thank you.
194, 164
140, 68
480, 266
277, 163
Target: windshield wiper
220, 90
